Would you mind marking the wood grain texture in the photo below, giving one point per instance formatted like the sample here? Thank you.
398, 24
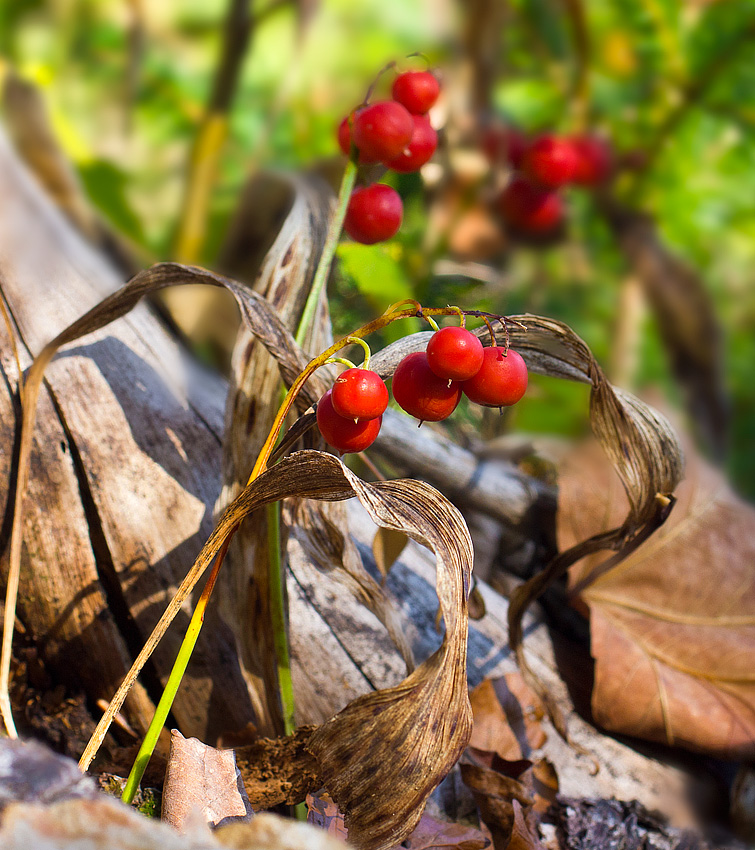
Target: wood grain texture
144, 434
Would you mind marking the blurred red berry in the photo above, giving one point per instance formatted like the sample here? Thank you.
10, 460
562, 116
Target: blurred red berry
381, 131
374, 214
420, 392
416, 90
501, 380
421, 147
530, 208
344, 137
594, 160
343, 434
550, 161
504, 144
359, 394
454, 353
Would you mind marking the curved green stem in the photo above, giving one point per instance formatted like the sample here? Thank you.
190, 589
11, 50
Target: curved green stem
172, 685
328, 252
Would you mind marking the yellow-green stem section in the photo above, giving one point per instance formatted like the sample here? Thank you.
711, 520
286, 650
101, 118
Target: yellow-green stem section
172, 685
202, 170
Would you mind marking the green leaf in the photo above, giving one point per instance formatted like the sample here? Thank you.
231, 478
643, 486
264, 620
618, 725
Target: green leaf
376, 272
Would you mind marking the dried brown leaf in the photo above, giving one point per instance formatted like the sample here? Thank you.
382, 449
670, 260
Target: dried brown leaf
495, 795
673, 626
507, 717
433, 834
386, 548
204, 779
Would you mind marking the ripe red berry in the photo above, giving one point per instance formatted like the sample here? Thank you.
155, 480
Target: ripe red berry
420, 148
344, 137
550, 161
420, 392
381, 131
501, 381
454, 354
343, 434
416, 90
504, 144
594, 160
529, 208
374, 214
359, 394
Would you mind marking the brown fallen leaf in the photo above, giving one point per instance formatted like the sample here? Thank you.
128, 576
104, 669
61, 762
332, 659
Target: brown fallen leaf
204, 779
433, 834
495, 792
507, 717
524, 834
673, 626
386, 547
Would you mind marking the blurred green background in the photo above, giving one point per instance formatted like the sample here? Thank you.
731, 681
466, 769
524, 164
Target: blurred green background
671, 84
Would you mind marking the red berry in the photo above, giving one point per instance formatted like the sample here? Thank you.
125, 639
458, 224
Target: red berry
594, 160
416, 90
343, 434
550, 161
502, 144
420, 392
454, 354
530, 208
344, 137
383, 130
420, 148
501, 381
359, 394
374, 214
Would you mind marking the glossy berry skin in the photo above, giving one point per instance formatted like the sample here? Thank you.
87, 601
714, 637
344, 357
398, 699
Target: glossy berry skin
416, 90
420, 392
343, 434
550, 161
381, 131
501, 381
344, 138
374, 214
420, 148
530, 208
454, 354
359, 394
594, 160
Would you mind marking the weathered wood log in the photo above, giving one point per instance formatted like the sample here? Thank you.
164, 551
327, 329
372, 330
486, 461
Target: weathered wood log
120, 498
490, 486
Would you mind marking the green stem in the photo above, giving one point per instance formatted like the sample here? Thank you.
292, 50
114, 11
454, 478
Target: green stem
277, 576
171, 688
328, 252
278, 618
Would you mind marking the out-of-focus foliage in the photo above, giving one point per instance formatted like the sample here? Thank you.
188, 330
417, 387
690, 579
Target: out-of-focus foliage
672, 84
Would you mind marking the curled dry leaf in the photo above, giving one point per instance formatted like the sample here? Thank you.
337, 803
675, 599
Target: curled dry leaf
385, 752
640, 443
673, 627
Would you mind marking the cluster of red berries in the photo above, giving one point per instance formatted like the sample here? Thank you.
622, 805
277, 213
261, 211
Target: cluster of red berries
530, 203
426, 384
398, 134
